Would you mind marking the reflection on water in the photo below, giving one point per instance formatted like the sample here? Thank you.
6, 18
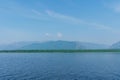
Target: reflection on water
60, 66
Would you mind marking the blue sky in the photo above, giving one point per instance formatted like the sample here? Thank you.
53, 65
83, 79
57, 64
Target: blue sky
73, 20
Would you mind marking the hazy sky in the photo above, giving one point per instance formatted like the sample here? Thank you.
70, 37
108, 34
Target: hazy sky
95, 21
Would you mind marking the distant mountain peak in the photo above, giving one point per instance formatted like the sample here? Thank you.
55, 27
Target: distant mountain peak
59, 44
116, 45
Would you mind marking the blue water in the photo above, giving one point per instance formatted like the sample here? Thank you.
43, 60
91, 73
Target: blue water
60, 66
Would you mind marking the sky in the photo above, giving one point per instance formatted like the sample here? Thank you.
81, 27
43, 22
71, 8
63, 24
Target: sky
96, 21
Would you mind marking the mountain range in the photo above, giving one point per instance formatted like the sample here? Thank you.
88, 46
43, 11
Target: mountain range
115, 46
57, 45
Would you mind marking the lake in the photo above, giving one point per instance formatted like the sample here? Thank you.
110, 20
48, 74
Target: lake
60, 66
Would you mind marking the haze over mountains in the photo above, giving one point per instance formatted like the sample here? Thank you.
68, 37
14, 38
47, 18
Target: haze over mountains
57, 45
116, 46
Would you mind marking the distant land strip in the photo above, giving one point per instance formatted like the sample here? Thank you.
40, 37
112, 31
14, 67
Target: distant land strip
60, 51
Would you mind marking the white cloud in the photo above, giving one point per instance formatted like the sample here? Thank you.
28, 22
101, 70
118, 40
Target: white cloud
28, 13
56, 35
47, 34
116, 7
100, 26
63, 17
73, 20
59, 35
36, 12
113, 5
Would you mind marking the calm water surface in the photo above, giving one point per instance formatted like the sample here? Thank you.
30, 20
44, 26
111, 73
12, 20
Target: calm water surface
60, 66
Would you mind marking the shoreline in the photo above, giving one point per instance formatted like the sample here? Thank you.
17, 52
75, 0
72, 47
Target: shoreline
60, 51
